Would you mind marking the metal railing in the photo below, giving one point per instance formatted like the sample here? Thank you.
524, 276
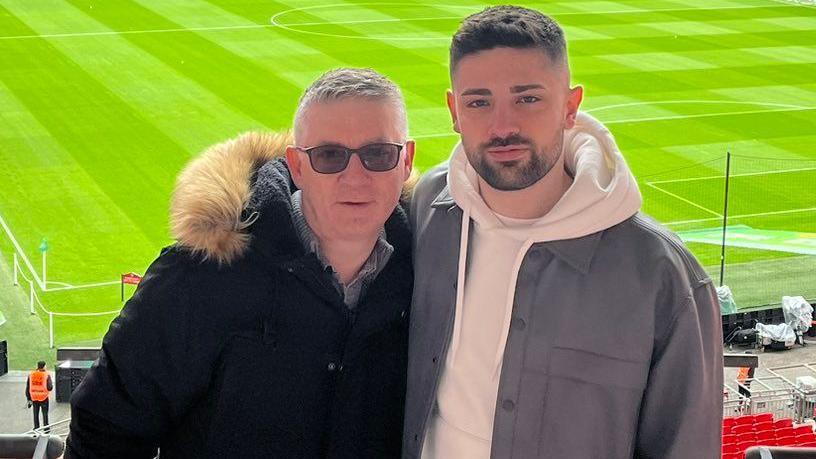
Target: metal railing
34, 446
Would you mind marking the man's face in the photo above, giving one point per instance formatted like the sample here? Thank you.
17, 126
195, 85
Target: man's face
511, 107
355, 202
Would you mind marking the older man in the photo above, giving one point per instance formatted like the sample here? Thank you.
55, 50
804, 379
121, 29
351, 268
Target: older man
551, 319
277, 326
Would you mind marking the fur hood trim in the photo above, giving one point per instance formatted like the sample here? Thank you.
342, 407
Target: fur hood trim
206, 211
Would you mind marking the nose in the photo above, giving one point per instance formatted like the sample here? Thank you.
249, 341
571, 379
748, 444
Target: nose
355, 173
503, 123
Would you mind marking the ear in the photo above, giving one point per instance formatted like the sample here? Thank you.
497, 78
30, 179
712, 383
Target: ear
452, 108
576, 95
410, 149
293, 160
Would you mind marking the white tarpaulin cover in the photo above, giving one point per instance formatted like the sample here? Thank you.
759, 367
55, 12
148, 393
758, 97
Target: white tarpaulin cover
778, 332
798, 313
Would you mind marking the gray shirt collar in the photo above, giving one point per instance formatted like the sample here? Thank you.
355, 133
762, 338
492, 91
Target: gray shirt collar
375, 263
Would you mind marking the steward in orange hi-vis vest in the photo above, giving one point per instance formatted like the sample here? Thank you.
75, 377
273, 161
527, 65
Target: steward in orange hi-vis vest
38, 385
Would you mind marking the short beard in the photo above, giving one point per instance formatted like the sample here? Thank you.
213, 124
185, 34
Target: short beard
515, 175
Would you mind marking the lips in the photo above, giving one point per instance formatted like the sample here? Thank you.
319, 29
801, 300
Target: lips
508, 153
355, 203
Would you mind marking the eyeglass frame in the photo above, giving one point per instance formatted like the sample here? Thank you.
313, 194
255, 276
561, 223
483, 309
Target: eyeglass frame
350, 152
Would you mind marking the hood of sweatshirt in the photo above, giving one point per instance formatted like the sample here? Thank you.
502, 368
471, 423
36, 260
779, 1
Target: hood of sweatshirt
603, 193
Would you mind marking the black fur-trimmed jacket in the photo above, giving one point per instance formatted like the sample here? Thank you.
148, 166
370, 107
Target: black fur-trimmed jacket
236, 344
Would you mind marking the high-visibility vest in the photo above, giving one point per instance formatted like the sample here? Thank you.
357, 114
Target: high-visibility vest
38, 385
745, 373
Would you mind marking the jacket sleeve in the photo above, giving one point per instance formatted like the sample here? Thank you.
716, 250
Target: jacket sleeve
28, 387
681, 413
50, 384
145, 379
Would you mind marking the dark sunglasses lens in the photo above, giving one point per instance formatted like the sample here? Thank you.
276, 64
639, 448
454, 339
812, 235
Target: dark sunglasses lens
329, 159
380, 157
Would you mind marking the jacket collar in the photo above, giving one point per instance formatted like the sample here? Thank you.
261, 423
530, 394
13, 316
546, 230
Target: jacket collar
577, 252
444, 199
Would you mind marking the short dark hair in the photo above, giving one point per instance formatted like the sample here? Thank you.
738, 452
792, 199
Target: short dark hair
41, 364
508, 26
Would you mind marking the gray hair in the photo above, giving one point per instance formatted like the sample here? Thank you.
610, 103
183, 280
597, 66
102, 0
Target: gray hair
345, 83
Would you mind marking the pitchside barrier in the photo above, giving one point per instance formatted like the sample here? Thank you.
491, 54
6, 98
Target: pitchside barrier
34, 283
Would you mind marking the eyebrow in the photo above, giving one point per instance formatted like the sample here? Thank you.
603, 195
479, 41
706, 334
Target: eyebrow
368, 141
525, 87
476, 92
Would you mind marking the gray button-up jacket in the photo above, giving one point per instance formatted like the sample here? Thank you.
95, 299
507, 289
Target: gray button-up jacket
614, 349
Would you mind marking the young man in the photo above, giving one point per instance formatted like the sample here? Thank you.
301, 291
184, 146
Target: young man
38, 389
550, 317
277, 326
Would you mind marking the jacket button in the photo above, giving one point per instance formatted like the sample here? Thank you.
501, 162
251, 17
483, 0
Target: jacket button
402, 314
434, 359
332, 366
416, 437
519, 323
508, 405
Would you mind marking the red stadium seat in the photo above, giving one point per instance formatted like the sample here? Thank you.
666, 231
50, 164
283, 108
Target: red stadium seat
746, 437
786, 441
781, 423
785, 432
766, 437
741, 447
764, 425
742, 428
801, 430
729, 448
729, 438
805, 438
747, 419
763, 417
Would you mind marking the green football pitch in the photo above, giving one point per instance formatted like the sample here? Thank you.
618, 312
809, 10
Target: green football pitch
103, 102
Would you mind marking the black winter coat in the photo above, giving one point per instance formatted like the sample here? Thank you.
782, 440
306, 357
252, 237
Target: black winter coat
258, 357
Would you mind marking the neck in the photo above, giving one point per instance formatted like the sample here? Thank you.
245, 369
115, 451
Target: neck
532, 202
346, 257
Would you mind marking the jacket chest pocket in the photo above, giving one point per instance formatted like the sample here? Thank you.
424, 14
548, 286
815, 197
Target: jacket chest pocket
584, 405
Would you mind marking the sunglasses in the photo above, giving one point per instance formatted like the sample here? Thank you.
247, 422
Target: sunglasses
331, 159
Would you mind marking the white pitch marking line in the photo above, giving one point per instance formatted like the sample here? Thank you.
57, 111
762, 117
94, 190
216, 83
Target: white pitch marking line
134, 32
693, 101
731, 217
83, 286
747, 174
37, 279
656, 118
387, 20
685, 200
274, 19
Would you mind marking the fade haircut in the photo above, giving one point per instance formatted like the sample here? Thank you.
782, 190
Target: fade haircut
511, 27
345, 83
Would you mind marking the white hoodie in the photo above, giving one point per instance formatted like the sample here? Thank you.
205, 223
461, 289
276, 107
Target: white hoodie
603, 194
